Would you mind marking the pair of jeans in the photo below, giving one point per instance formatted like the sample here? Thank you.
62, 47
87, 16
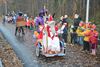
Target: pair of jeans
80, 40
73, 38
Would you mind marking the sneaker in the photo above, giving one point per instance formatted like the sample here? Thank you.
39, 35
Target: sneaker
92, 54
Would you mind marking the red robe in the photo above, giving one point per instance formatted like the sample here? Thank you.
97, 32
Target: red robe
48, 31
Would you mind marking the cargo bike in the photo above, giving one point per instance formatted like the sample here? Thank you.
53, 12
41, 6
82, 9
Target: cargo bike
50, 47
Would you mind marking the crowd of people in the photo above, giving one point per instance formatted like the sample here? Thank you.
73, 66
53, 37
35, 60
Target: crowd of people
81, 33
86, 36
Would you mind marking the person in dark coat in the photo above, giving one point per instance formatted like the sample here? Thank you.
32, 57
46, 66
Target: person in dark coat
65, 30
65, 19
77, 20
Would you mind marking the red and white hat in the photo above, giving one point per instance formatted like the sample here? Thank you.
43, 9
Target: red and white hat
93, 26
81, 23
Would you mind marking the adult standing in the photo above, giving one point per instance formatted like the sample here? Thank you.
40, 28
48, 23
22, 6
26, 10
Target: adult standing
87, 34
5, 19
65, 19
77, 20
20, 23
65, 30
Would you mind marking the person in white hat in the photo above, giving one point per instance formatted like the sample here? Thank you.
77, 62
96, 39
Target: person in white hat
65, 19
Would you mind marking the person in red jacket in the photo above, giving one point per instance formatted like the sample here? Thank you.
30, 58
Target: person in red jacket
93, 39
28, 24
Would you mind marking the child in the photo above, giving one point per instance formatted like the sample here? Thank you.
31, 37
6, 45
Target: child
86, 46
80, 36
93, 39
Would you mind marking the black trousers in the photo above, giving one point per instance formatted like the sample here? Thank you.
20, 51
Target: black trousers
73, 38
64, 36
21, 29
86, 46
28, 27
75, 28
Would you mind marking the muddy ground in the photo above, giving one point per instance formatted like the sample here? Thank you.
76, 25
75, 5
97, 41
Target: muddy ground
7, 55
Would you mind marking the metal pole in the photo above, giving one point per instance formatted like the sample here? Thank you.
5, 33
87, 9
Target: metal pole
5, 2
87, 11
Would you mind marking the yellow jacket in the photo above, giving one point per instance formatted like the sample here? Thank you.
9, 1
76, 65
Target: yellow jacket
86, 34
79, 31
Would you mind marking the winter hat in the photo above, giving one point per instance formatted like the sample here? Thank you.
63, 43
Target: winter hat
20, 13
88, 25
81, 23
93, 26
72, 26
76, 16
61, 18
65, 16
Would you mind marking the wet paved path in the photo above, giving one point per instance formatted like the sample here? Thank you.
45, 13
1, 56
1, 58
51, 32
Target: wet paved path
25, 50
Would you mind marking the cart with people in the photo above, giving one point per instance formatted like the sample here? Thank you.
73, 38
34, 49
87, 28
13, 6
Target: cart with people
48, 42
